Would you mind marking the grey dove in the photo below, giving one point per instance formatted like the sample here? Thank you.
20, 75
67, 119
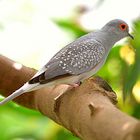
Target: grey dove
78, 60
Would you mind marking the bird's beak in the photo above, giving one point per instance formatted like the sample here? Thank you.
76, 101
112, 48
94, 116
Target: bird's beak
130, 35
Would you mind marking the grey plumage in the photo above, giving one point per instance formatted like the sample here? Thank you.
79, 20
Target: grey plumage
78, 60
81, 57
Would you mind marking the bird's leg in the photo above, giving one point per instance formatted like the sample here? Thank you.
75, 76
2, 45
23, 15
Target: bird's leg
74, 85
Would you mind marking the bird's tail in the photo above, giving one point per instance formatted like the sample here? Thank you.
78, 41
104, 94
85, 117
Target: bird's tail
25, 88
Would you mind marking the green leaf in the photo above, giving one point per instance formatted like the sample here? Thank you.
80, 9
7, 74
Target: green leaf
71, 26
132, 73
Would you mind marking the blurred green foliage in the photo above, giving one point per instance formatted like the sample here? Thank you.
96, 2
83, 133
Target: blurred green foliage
71, 26
19, 123
133, 72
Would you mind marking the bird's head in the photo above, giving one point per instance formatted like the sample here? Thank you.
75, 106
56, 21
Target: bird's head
118, 29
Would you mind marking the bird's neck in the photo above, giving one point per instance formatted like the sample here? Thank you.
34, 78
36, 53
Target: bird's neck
106, 39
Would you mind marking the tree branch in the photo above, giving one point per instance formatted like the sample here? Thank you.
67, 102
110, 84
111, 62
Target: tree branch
88, 111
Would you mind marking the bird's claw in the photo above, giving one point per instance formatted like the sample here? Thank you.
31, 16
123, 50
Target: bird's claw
75, 85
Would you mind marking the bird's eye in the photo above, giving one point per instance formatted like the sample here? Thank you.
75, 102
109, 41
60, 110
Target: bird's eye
123, 26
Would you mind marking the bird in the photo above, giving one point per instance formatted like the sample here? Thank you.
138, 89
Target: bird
78, 60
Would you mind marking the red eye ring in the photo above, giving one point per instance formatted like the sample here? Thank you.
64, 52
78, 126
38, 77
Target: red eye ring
123, 26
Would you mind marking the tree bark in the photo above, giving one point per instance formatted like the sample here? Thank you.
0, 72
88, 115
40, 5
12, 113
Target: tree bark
88, 111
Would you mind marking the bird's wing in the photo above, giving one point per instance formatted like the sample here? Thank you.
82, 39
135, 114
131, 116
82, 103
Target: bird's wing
76, 58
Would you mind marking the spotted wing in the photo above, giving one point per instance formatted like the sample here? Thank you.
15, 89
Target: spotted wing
82, 57
76, 58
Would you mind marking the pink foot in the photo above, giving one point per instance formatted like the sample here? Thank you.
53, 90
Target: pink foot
74, 85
